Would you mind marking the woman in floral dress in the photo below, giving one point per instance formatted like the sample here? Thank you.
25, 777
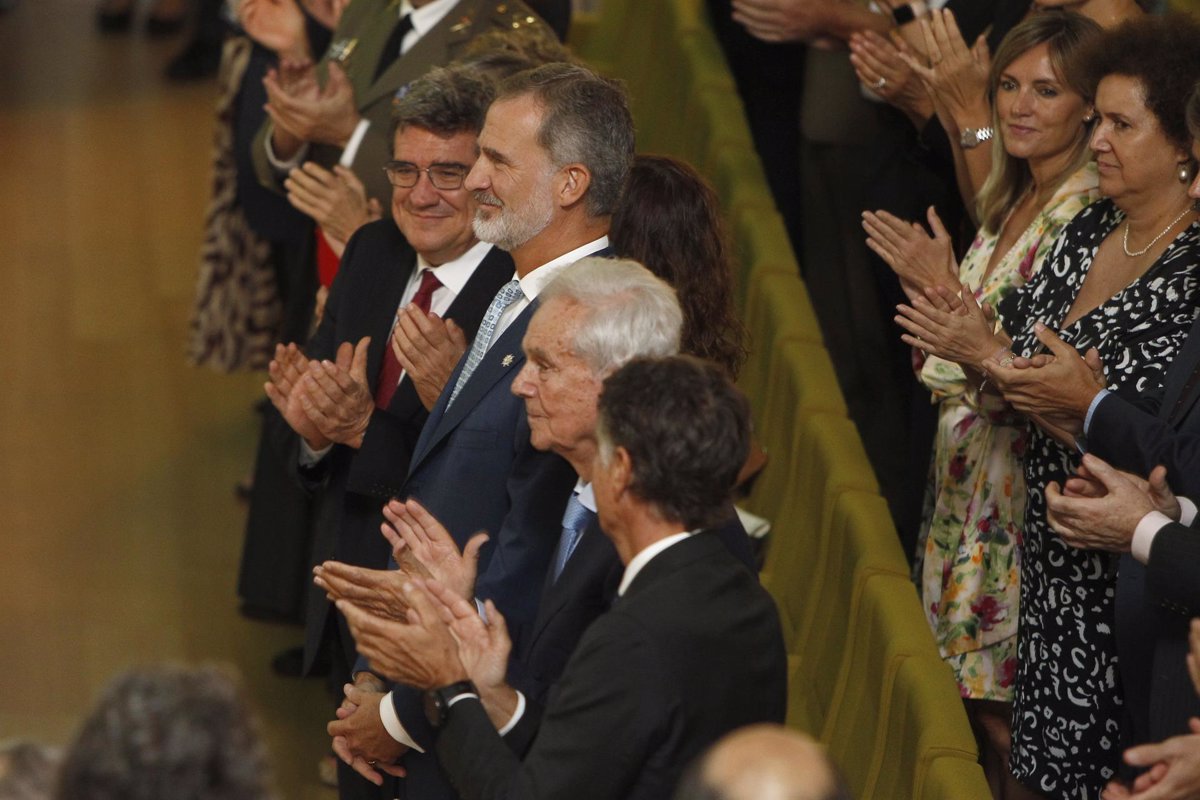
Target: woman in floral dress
970, 560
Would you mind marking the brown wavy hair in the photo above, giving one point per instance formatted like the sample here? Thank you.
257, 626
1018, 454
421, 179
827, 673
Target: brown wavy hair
670, 220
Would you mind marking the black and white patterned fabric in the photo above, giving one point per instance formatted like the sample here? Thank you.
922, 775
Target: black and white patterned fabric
1067, 708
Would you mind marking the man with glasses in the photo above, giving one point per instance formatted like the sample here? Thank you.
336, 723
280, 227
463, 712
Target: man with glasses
417, 285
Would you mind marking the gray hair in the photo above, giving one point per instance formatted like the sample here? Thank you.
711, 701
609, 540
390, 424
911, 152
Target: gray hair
168, 731
632, 312
27, 771
586, 120
445, 101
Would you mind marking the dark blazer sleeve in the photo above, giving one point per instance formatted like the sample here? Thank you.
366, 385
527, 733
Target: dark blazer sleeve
1173, 571
596, 733
1131, 436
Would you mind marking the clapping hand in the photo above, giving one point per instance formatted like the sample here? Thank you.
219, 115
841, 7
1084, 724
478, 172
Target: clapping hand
336, 200
421, 652
428, 348
918, 259
957, 75
416, 534
277, 25
939, 326
1060, 385
880, 68
335, 394
380, 591
327, 115
288, 371
359, 737
1100, 508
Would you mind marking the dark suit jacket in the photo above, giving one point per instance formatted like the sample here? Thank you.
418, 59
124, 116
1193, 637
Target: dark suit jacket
692, 651
369, 23
376, 267
1155, 601
585, 590
475, 469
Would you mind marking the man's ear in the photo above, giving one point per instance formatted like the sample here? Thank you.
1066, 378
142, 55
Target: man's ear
572, 184
622, 472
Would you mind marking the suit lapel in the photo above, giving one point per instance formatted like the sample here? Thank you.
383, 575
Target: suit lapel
370, 35
431, 50
505, 356
588, 556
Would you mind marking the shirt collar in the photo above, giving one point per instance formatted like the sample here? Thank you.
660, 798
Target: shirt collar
533, 283
643, 558
428, 15
586, 495
454, 274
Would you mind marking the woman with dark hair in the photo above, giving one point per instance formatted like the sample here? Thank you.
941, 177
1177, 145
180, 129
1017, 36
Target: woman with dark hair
1122, 280
670, 221
1041, 178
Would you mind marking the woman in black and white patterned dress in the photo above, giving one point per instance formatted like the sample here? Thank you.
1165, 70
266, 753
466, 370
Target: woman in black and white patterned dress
1123, 278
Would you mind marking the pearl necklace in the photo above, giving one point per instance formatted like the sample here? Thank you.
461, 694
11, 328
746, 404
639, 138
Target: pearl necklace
1154, 241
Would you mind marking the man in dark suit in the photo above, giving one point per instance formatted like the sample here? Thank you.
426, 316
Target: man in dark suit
378, 49
691, 650
418, 276
554, 153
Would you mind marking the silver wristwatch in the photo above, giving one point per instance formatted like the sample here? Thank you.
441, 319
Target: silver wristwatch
973, 137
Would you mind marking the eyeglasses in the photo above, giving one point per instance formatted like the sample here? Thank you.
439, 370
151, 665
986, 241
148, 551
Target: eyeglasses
442, 176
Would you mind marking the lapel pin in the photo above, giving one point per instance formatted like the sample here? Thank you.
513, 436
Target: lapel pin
507, 360
340, 51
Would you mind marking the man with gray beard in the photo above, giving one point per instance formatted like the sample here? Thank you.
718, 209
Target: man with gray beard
553, 156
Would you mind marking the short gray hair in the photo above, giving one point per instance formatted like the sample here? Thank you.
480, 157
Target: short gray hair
586, 120
168, 731
445, 101
631, 312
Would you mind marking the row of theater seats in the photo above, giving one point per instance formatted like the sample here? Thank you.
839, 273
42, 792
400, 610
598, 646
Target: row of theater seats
866, 677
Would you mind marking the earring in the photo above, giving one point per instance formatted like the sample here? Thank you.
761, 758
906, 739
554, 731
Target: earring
1186, 171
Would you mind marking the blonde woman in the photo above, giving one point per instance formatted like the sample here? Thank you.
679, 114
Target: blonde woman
1039, 180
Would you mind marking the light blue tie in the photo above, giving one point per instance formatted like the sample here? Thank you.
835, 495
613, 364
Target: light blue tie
504, 298
575, 522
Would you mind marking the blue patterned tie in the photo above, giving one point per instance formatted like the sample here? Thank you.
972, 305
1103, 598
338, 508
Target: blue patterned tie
504, 298
575, 522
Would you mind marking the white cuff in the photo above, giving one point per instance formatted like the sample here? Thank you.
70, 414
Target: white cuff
280, 165
1144, 533
1187, 511
308, 456
387, 713
352, 144
516, 717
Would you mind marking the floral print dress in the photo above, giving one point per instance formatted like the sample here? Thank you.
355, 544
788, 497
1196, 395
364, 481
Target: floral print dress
1067, 704
970, 569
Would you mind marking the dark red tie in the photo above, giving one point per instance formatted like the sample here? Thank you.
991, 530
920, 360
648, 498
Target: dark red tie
389, 373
